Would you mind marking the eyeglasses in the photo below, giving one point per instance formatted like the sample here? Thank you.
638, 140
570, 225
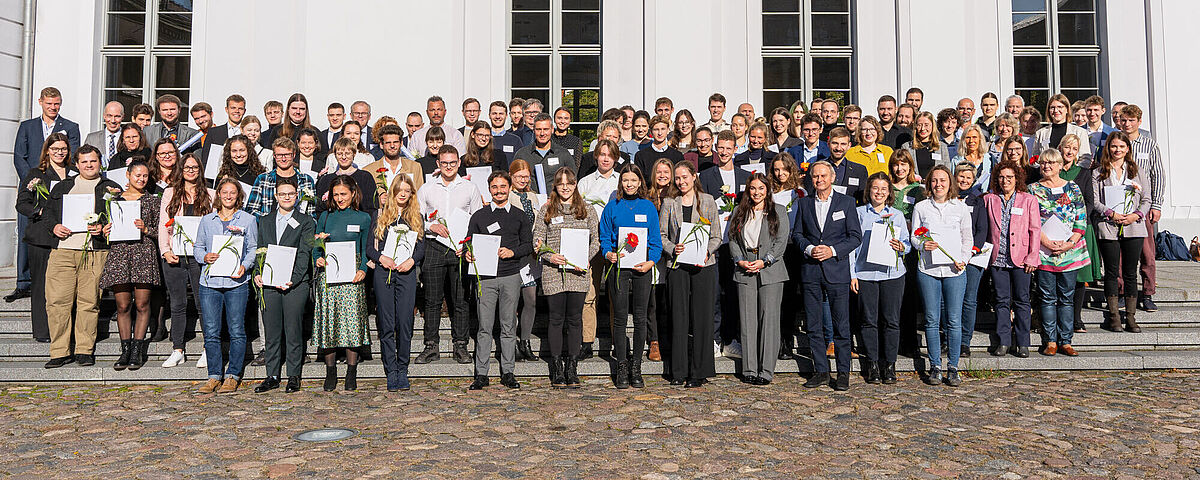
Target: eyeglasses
285, 195
284, 155
165, 154
191, 168
59, 149
447, 164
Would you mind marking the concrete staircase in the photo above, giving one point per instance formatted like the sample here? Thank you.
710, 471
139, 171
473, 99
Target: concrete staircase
1170, 340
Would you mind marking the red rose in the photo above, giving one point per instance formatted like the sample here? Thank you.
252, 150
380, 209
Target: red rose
632, 240
921, 232
730, 195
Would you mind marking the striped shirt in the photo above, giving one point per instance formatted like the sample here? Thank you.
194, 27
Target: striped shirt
1149, 160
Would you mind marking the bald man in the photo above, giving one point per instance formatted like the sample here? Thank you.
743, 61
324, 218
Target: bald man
747, 110
108, 139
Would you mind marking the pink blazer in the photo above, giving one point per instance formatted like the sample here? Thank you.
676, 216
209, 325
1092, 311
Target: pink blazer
1025, 228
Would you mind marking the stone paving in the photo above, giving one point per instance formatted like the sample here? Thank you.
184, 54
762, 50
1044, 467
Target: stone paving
1019, 425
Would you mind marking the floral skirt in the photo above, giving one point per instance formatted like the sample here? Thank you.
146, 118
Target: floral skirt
341, 315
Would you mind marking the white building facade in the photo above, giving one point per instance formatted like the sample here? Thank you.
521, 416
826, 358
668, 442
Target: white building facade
587, 55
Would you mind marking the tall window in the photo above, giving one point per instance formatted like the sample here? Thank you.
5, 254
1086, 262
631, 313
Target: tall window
806, 51
554, 56
147, 50
1055, 49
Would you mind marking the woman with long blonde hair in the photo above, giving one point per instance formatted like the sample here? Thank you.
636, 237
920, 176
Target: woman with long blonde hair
396, 279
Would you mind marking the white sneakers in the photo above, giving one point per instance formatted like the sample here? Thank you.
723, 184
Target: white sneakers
716, 350
203, 361
177, 358
733, 350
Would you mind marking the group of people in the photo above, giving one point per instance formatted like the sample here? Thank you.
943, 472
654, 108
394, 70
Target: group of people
702, 234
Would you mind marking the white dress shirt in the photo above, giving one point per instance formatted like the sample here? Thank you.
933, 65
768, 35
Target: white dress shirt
822, 207
599, 187
443, 196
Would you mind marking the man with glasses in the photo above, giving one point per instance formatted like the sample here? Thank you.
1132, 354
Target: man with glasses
966, 112
529, 111
562, 134
360, 111
813, 149
503, 139
435, 109
470, 113
261, 200
702, 156
440, 273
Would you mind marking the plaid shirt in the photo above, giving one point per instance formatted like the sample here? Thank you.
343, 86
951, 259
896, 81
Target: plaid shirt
262, 196
1149, 160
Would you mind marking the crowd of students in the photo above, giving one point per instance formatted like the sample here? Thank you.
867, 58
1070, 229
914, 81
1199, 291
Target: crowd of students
713, 238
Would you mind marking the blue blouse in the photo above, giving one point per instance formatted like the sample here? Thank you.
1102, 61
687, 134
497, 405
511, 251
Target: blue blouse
869, 218
211, 225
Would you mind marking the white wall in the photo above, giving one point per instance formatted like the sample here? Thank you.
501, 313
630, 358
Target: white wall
11, 24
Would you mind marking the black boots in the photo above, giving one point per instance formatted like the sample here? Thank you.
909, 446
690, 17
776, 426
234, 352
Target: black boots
351, 378
525, 351
872, 374
558, 377
570, 365
635, 373
139, 356
127, 351
330, 378
621, 377
889, 373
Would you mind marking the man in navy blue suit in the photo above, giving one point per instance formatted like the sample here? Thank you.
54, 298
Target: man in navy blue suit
27, 152
813, 148
827, 231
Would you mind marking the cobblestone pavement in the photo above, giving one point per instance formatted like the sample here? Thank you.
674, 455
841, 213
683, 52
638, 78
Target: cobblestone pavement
1041, 425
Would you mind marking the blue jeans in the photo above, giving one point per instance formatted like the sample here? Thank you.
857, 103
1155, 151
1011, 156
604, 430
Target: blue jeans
231, 302
970, 304
935, 291
1057, 290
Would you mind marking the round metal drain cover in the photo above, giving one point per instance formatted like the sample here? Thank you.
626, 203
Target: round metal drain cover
325, 435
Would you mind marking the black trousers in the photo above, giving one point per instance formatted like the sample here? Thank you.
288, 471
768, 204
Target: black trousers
630, 291
177, 278
879, 305
839, 306
566, 310
394, 319
443, 279
38, 257
1120, 255
283, 331
691, 291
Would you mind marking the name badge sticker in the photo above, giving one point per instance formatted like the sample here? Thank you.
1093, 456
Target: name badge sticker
1018, 211
556, 220
937, 157
853, 181
352, 228
493, 227
292, 222
879, 156
508, 149
641, 217
839, 215
552, 161
1143, 155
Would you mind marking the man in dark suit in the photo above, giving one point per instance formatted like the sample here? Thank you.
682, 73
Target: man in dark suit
827, 231
210, 136
719, 181
360, 111
235, 109
813, 148
107, 139
336, 113
850, 178
284, 308
27, 151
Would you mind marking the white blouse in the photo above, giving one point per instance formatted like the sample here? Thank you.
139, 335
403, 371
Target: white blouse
943, 219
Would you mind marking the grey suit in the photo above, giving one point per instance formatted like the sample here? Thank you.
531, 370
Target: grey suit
760, 294
671, 216
97, 139
284, 310
158, 130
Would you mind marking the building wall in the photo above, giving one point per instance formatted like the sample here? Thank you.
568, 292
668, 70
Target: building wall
12, 17
395, 53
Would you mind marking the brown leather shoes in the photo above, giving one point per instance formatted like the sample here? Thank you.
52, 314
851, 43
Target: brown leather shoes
829, 352
210, 386
1068, 350
1050, 350
655, 355
230, 385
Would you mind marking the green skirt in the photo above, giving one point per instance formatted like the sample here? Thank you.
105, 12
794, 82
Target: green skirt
341, 315
1093, 272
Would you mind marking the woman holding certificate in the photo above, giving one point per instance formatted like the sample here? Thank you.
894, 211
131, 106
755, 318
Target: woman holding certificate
1121, 202
341, 299
32, 202
942, 228
78, 252
225, 245
877, 275
162, 163
1063, 251
686, 217
1015, 231
397, 246
631, 239
131, 270
758, 237
568, 237
183, 204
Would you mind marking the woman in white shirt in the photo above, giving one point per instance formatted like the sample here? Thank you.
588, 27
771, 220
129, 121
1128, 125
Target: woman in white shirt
941, 280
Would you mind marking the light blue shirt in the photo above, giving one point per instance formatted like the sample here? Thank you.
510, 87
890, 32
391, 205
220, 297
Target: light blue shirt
870, 220
281, 221
211, 225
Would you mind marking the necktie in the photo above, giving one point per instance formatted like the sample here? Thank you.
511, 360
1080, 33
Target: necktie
112, 145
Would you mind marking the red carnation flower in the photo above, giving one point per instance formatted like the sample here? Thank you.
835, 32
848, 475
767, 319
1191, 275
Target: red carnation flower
921, 232
730, 195
975, 250
381, 170
170, 223
465, 240
432, 215
1033, 160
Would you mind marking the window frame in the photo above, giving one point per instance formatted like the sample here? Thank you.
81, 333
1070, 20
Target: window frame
1053, 52
807, 51
556, 51
149, 51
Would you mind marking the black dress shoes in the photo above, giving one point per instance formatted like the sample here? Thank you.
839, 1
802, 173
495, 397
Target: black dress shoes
509, 380
997, 350
677, 382
843, 382
889, 373
760, 381
293, 384
85, 360
17, 295
585, 352
267, 385
872, 373
817, 380
1021, 352
695, 383
480, 382
750, 379
60, 361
